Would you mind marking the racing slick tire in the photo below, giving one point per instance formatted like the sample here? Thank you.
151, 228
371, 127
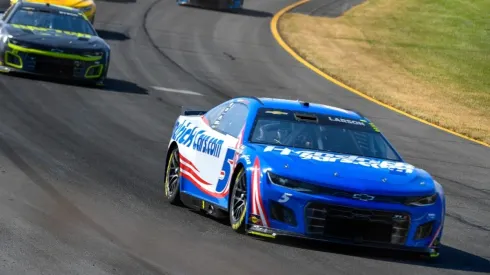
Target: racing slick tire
100, 82
96, 83
172, 177
238, 202
429, 256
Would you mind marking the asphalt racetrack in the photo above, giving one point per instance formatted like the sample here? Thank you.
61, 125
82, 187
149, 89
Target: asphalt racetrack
81, 169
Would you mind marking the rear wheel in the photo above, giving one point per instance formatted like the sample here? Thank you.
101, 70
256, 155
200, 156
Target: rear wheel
172, 177
238, 202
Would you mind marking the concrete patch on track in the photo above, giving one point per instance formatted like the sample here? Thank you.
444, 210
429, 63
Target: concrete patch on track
327, 8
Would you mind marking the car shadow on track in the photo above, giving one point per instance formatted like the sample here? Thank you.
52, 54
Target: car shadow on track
450, 259
112, 35
253, 13
243, 11
122, 86
110, 85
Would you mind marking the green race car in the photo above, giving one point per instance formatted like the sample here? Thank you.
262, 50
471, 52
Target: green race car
51, 40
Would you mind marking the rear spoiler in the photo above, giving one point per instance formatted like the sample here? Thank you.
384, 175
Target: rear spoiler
192, 111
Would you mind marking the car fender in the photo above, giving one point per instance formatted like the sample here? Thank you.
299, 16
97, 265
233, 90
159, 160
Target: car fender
254, 167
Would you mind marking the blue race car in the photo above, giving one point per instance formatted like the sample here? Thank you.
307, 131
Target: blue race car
279, 167
232, 5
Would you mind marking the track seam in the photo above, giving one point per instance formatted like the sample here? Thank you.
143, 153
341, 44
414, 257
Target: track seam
277, 36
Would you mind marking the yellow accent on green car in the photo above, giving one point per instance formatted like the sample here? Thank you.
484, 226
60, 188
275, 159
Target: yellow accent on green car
374, 127
9, 55
98, 67
53, 54
34, 28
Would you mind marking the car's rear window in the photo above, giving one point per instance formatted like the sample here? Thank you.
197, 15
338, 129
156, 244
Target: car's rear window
320, 132
50, 19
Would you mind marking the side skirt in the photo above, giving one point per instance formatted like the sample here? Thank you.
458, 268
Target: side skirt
197, 204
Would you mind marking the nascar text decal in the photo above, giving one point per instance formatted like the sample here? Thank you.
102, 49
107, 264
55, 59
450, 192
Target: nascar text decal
191, 136
329, 157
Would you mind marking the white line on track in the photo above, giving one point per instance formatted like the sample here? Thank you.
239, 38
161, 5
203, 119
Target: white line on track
176, 91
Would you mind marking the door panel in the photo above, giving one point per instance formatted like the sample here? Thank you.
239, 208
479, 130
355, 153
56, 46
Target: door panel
208, 145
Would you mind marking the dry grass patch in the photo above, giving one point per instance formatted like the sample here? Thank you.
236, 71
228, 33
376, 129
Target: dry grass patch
428, 58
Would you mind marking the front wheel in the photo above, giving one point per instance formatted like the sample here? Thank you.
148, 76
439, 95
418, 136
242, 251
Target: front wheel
96, 83
238, 202
430, 255
172, 177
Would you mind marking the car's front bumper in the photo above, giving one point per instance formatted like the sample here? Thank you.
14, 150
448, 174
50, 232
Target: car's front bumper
267, 232
16, 58
350, 221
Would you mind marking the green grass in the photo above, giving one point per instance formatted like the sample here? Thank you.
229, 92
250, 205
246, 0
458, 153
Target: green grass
443, 41
430, 58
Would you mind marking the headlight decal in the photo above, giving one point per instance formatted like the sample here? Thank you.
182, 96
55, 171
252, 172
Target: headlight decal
292, 184
422, 201
85, 9
96, 53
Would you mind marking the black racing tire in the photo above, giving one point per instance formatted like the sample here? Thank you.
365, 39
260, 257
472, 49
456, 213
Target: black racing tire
429, 256
172, 177
100, 82
237, 212
96, 83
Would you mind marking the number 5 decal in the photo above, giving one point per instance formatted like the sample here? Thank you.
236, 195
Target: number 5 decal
226, 171
285, 197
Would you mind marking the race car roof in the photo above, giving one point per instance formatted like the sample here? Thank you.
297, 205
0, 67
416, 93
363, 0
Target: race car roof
299, 106
48, 6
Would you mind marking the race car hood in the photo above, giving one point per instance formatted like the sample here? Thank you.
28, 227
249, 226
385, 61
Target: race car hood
37, 37
346, 172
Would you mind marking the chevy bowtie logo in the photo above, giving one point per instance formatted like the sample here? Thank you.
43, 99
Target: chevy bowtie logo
363, 197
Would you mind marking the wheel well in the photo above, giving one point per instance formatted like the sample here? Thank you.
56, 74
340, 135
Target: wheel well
232, 182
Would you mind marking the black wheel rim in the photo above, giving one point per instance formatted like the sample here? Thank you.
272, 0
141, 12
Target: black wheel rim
173, 174
239, 201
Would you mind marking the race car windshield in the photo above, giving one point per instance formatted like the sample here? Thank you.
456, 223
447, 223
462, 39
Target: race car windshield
52, 19
321, 133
